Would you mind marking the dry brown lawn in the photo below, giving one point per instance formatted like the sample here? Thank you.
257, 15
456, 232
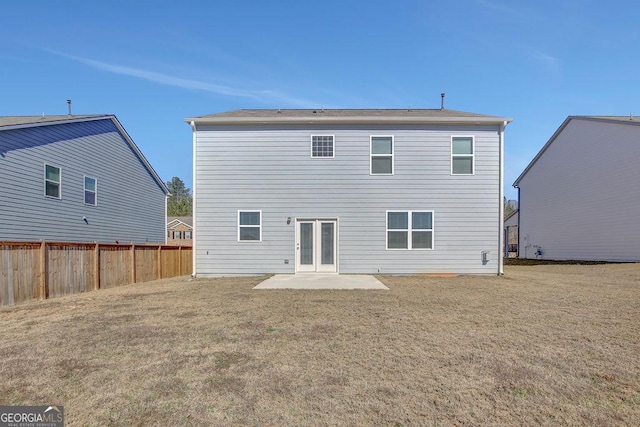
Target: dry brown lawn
543, 345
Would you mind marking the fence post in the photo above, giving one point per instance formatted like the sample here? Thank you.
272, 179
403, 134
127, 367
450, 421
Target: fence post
96, 266
159, 262
43, 269
180, 260
133, 262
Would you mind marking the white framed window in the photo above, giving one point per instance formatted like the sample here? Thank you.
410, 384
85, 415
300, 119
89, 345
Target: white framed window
381, 155
90, 191
322, 146
409, 229
249, 226
52, 181
462, 155
187, 235
177, 235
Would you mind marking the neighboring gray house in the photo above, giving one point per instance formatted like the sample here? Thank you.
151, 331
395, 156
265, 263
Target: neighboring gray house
348, 191
77, 179
579, 197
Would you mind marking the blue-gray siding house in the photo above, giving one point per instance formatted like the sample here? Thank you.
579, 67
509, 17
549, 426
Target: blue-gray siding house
347, 191
77, 179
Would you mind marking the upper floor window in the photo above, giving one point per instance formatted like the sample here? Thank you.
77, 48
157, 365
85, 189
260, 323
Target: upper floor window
322, 146
381, 155
90, 191
52, 181
409, 229
249, 226
177, 235
187, 235
462, 155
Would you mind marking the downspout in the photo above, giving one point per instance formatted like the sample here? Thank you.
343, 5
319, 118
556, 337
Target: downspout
501, 202
166, 198
519, 212
194, 233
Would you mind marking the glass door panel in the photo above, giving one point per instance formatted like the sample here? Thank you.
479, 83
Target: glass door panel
316, 246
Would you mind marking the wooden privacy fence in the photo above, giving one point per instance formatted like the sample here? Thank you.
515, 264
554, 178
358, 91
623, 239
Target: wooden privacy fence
40, 270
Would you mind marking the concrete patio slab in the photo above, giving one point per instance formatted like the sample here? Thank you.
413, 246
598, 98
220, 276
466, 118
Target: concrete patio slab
321, 281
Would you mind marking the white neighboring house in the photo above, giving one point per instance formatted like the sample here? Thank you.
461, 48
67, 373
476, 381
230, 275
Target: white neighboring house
579, 198
347, 191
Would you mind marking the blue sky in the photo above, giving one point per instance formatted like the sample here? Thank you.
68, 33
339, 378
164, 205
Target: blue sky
154, 63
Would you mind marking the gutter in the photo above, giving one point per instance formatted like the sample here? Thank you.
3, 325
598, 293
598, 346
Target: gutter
501, 202
213, 121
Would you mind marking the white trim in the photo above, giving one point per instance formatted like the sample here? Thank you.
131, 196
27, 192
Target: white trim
194, 199
333, 146
84, 188
392, 155
169, 224
317, 118
473, 155
259, 226
317, 266
45, 180
501, 236
409, 229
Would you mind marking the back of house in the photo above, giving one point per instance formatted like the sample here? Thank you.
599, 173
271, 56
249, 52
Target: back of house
77, 179
347, 191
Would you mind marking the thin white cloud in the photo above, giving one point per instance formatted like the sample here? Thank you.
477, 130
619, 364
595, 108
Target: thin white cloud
262, 95
546, 61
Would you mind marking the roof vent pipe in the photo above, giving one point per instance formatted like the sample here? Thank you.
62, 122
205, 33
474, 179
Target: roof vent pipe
442, 101
69, 106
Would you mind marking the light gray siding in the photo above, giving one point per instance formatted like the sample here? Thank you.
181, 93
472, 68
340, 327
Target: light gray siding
580, 200
130, 203
271, 169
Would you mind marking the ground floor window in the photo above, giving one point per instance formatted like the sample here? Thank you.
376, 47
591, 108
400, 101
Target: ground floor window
409, 229
249, 226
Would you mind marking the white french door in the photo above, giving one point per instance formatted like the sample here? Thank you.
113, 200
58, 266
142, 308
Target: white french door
316, 246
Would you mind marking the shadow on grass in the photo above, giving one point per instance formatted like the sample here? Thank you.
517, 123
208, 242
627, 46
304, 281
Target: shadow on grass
524, 261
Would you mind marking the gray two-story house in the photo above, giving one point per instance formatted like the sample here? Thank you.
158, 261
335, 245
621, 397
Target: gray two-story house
347, 191
77, 179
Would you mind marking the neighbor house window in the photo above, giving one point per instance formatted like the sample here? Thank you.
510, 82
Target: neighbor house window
177, 235
322, 146
462, 155
52, 181
90, 191
187, 235
409, 229
249, 226
381, 155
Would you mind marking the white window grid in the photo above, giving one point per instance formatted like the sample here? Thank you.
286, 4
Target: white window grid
258, 226
372, 155
58, 182
322, 146
94, 191
472, 155
410, 229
